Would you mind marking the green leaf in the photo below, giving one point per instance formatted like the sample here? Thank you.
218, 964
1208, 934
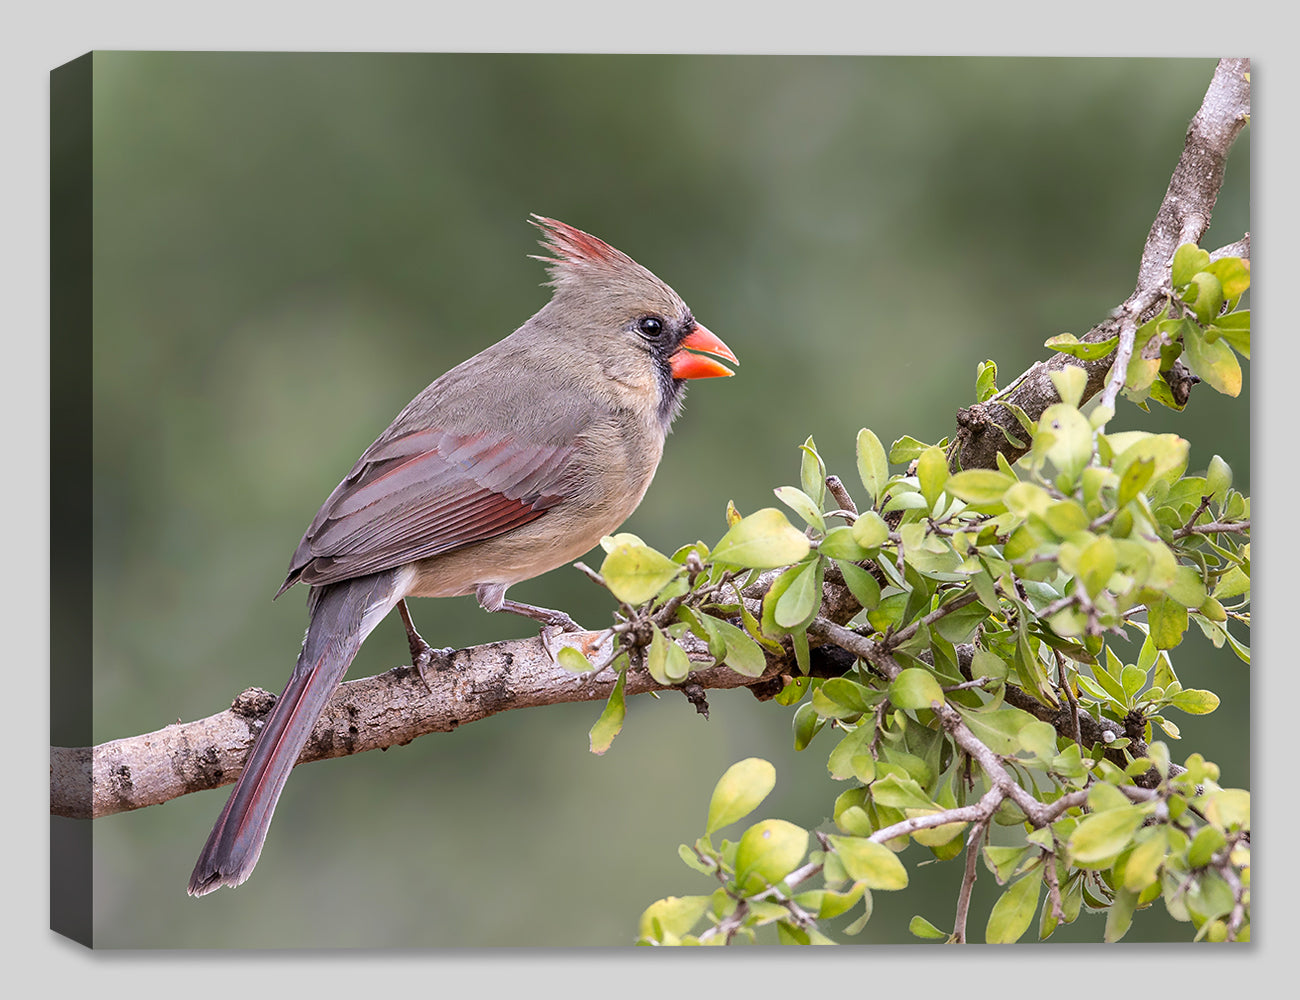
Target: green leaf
802, 504
1218, 479
1143, 865
900, 793
1070, 382
672, 917
855, 697
1233, 274
1205, 295
981, 486
1096, 564
1188, 260
610, 723
1194, 701
570, 659
739, 791
1004, 862
988, 664
1208, 840
763, 540
999, 730
873, 864
906, 448
1233, 583
1072, 445
1167, 620
1099, 837
1120, 916
1136, 476
1169, 452
986, 381
767, 852
870, 530
932, 473
852, 758
666, 661
801, 599
1014, 911
1084, 350
1235, 329
1213, 362
957, 626
915, 687
1187, 587
635, 573
922, 928
873, 468
743, 655
827, 903
861, 584
806, 722
812, 473
839, 543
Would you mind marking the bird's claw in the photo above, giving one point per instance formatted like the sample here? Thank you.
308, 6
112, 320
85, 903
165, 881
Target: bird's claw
423, 657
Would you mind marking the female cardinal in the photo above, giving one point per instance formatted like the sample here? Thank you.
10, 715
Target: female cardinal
511, 464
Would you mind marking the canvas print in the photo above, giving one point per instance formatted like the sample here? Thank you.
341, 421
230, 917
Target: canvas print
746, 500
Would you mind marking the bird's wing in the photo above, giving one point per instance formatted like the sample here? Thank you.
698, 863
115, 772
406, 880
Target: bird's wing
418, 494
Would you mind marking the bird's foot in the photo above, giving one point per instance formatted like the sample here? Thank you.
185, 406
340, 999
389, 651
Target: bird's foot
423, 656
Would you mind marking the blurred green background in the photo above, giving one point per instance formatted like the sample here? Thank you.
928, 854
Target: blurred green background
290, 246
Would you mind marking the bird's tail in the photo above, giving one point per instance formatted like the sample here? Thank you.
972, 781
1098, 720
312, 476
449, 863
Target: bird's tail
342, 615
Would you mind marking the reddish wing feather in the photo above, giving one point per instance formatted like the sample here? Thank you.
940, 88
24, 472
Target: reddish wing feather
425, 493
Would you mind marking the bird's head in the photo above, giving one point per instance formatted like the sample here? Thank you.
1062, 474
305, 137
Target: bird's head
639, 329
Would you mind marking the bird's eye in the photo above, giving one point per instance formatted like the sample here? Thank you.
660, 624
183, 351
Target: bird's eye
651, 326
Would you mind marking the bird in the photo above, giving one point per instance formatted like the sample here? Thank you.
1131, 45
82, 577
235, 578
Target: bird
511, 464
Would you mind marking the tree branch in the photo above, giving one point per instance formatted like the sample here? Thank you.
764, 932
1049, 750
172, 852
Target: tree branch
387, 710
1183, 217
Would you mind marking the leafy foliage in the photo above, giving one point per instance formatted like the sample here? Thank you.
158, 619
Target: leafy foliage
991, 684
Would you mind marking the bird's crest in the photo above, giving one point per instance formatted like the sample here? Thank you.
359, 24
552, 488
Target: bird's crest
572, 251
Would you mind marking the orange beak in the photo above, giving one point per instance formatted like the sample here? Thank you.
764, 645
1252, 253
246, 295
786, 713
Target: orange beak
699, 365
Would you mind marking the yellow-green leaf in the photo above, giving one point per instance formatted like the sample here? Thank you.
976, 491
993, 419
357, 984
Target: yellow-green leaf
1014, 910
1188, 260
982, 486
769, 851
1194, 701
870, 863
1084, 350
674, 916
870, 530
915, 687
571, 659
743, 654
635, 573
610, 723
873, 467
763, 540
802, 504
739, 791
1070, 382
1099, 837
932, 473
801, 598
1168, 621
1214, 362
922, 928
